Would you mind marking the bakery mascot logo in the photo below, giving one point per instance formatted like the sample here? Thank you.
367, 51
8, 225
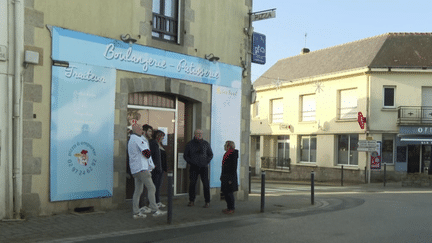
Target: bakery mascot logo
82, 158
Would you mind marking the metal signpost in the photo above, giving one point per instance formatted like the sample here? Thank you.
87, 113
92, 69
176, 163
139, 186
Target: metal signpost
368, 146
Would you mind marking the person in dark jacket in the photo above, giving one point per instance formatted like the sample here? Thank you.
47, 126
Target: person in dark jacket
198, 155
157, 173
229, 176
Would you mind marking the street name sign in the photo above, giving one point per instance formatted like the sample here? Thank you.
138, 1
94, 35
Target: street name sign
367, 145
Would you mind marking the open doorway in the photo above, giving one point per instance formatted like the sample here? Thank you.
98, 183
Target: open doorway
413, 158
170, 115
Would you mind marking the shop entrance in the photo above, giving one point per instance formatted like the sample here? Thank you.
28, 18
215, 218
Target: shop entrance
168, 115
413, 158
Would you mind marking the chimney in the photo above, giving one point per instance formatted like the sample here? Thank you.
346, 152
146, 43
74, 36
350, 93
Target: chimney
304, 51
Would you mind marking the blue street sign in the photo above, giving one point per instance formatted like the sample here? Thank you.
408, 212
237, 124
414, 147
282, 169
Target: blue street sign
258, 48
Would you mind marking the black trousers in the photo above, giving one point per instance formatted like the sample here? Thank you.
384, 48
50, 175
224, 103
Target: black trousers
194, 171
157, 178
229, 198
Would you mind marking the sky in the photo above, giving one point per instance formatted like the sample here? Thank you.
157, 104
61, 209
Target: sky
330, 23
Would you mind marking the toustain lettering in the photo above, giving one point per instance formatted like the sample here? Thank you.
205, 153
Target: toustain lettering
71, 72
147, 62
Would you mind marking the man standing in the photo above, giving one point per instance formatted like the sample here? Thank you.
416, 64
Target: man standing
198, 155
141, 165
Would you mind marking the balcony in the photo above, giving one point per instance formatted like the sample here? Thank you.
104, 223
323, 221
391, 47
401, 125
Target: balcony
414, 115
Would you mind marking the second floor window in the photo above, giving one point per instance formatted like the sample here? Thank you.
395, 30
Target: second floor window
256, 109
277, 111
389, 97
308, 107
348, 104
165, 20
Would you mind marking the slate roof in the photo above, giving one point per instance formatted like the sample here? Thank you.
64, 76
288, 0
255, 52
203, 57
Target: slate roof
395, 50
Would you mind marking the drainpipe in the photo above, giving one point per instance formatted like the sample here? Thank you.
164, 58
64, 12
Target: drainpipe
5, 115
17, 107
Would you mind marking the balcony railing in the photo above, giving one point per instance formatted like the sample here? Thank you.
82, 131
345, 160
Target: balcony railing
275, 164
414, 114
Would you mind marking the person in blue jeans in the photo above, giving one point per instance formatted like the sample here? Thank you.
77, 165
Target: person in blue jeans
198, 155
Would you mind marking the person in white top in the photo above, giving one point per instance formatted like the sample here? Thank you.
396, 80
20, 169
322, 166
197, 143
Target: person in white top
141, 165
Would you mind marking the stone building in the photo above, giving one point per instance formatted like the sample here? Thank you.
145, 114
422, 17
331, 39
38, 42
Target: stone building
75, 75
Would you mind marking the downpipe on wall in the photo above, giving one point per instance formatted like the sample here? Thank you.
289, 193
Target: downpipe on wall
17, 107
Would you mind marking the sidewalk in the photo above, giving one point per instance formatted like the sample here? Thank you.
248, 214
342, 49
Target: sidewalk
76, 227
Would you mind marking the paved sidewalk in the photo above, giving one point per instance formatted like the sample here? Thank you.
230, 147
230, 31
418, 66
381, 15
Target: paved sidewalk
77, 227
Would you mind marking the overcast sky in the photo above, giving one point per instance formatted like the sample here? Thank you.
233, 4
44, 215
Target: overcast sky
333, 22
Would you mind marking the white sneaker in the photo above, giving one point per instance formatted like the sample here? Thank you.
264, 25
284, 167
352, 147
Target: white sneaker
161, 205
145, 209
159, 213
139, 216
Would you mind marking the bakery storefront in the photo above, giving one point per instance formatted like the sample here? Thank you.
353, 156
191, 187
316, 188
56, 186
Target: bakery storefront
413, 148
100, 86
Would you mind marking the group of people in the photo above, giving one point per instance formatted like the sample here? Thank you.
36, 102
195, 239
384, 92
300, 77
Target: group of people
147, 161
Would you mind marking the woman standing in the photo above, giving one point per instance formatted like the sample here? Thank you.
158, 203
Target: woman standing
159, 158
229, 176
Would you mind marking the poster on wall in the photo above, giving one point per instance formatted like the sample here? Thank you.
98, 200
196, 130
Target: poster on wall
376, 158
82, 132
226, 120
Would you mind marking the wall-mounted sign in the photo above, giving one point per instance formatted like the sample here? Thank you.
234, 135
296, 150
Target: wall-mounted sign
74, 46
258, 48
261, 15
82, 132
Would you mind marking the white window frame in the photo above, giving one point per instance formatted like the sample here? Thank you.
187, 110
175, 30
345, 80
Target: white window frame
349, 149
393, 136
348, 101
276, 117
285, 142
394, 96
256, 109
310, 137
308, 112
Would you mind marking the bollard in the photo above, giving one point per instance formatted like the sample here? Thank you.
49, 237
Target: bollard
385, 169
365, 174
170, 197
342, 175
250, 180
312, 188
262, 191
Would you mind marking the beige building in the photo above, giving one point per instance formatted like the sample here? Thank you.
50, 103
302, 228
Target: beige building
76, 74
306, 114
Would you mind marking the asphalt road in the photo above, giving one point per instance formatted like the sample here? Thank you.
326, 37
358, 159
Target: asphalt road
354, 216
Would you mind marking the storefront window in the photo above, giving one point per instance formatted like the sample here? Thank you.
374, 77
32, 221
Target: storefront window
308, 148
387, 148
347, 149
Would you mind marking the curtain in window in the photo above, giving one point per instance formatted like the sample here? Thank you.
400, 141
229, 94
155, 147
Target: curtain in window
348, 104
308, 108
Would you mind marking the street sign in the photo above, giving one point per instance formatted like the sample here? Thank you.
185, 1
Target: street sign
266, 14
367, 145
258, 48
